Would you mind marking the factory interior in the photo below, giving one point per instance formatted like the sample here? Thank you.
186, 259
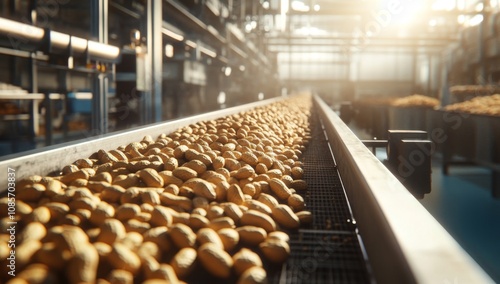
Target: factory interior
372, 125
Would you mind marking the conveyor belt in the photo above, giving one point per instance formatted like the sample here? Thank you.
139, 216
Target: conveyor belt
330, 250
404, 242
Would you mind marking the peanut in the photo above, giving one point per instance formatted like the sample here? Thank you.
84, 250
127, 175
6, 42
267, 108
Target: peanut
184, 261
49, 255
151, 177
296, 202
112, 230
53, 187
268, 200
214, 212
36, 273
25, 251
150, 197
258, 219
161, 216
32, 231
278, 235
276, 251
127, 211
182, 236
258, 206
284, 216
297, 173
220, 223
201, 188
81, 174
40, 214
279, 188
165, 272
251, 235
159, 236
243, 172
120, 276
122, 257
127, 181
147, 249
208, 235
299, 185
253, 275
250, 158
82, 268
235, 194
112, 193
132, 240
198, 166
233, 211
31, 193
305, 217
102, 212
169, 199
184, 173
245, 259
215, 260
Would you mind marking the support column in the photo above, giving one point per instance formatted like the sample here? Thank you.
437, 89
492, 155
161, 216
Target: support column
429, 74
34, 118
99, 30
483, 74
155, 57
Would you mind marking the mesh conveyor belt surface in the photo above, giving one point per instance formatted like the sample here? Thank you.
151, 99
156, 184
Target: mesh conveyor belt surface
329, 251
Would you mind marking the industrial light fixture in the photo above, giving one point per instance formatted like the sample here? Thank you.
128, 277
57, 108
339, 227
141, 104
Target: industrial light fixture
283, 11
172, 34
476, 20
227, 71
71, 63
191, 43
299, 6
135, 37
221, 98
169, 50
461, 19
203, 49
479, 7
208, 51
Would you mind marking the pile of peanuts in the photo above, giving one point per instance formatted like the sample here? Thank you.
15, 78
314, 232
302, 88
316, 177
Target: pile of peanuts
487, 105
416, 100
474, 90
220, 196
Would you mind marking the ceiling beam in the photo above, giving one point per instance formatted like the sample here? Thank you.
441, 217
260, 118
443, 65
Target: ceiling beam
327, 39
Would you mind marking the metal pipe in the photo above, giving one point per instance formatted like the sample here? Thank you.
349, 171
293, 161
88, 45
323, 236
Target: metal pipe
20, 33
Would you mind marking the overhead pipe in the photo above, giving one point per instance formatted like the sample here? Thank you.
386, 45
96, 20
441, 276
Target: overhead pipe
58, 41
